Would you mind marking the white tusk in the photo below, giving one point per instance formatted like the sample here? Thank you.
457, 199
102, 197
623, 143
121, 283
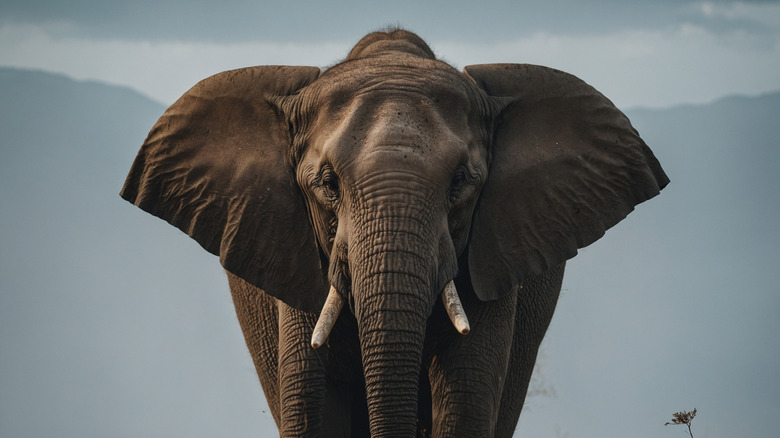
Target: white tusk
330, 312
455, 309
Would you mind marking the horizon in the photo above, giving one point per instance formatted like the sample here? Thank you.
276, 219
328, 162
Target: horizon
714, 101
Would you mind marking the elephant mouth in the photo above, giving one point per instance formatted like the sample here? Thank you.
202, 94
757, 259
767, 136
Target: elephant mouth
335, 302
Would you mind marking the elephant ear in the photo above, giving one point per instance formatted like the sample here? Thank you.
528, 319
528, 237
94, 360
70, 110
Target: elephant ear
566, 166
216, 166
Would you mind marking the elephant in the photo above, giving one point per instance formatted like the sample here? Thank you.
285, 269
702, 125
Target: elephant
394, 231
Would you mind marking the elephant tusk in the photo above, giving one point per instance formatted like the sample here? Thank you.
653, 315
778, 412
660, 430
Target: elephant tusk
455, 309
330, 312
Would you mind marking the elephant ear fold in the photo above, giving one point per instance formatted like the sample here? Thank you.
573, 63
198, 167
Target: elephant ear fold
216, 166
566, 166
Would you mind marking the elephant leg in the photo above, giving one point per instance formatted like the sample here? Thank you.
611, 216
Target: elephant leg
302, 374
258, 317
346, 413
535, 306
467, 372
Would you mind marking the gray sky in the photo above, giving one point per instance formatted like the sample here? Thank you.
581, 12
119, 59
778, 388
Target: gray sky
638, 53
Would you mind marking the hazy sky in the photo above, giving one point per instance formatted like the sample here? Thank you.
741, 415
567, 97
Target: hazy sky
639, 53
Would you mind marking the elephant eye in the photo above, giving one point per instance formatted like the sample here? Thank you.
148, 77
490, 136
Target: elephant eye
329, 182
461, 187
457, 186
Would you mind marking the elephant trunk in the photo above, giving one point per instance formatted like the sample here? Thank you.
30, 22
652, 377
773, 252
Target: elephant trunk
392, 320
392, 287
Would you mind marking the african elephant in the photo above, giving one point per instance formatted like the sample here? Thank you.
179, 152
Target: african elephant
370, 188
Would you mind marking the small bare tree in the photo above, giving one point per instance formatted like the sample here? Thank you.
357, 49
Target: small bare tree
684, 417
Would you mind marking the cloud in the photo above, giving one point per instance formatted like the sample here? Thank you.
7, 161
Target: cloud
306, 20
688, 63
759, 12
162, 70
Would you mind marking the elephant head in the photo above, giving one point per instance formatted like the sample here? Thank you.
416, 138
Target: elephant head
383, 178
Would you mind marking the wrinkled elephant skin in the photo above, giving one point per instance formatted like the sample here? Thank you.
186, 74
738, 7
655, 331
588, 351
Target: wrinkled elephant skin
432, 209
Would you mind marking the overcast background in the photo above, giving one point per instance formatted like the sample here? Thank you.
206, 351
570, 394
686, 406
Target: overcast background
113, 323
637, 52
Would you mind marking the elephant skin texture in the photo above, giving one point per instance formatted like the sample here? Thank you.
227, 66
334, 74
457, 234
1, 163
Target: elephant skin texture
385, 179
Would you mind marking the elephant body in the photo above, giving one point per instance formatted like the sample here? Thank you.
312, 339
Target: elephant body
394, 181
335, 373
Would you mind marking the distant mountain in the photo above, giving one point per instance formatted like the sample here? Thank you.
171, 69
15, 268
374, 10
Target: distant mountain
114, 324
723, 159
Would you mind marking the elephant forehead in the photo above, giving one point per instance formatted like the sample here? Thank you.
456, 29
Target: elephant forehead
397, 121
413, 124
425, 110
362, 144
397, 106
